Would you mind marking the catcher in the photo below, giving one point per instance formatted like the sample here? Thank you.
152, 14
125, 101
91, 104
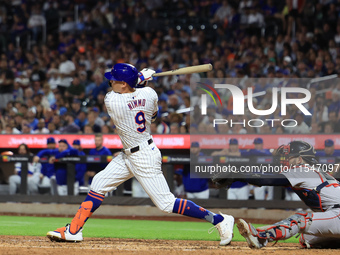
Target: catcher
317, 189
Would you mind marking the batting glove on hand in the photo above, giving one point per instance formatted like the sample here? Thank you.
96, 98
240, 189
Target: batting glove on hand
144, 76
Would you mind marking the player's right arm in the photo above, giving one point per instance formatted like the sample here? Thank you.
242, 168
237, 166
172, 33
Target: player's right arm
154, 97
224, 179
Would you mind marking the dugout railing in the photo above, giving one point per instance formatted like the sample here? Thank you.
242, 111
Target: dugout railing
168, 168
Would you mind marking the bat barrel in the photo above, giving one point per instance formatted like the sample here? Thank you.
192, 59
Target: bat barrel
187, 70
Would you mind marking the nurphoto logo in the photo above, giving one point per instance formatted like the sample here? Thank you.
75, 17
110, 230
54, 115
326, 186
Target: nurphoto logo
239, 104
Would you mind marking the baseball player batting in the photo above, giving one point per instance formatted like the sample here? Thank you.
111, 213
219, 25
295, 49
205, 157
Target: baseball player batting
317, 189
132, 110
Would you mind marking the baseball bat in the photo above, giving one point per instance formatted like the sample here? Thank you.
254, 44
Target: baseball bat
187, 70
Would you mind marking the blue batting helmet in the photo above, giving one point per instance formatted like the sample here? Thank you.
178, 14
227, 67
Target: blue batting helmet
123, 72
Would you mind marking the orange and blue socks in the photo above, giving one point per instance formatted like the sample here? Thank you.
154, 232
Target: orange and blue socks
189, 208
90, 204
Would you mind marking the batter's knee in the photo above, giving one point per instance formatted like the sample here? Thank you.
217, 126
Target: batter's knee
168, 206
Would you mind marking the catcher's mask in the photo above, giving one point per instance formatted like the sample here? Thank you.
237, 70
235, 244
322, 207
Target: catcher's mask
296, 149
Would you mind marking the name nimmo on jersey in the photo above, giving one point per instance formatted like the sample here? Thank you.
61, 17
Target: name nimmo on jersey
136, 103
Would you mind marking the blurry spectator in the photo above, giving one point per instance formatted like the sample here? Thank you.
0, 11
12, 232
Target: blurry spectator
333, 117
195, 186
211, 114
260, 192
92, 118
19, 28
11, 125
233, 149
328, 128
48, 94
178, 184
258, 149
88, 129
41, 129
222, 13
26, 129
76, 106
34, 177
64, 150
295, 8
93, 89
47, 168
238, 190
37, 77
92, 169
71, 127
54, 79
106, 129
320, 110
301, 127
335, 104
68, 26
33, 122
66, 72
52, 128
174, 128
174, 103
329, 150
255, 18
80, 167
83, 80
153, 128
81, 120
48, 115
57, 122
18, 93
75, 90
6, 84
315, 128
183, 129
36, 22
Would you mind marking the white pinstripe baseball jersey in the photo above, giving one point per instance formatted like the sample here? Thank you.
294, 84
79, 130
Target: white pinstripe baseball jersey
131, 113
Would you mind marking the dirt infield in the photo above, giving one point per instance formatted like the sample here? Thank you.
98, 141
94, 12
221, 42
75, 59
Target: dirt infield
92, 246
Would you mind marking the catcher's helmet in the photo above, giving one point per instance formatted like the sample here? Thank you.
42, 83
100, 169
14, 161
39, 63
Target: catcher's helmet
296, 149
123, 72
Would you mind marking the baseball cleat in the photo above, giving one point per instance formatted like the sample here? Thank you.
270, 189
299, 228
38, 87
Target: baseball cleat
249, 233
64, 235
225, 229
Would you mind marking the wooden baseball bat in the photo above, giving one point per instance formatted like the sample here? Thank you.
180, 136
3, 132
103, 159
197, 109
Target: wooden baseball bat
187, 70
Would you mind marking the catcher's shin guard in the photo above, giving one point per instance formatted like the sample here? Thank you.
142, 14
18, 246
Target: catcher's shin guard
286, 228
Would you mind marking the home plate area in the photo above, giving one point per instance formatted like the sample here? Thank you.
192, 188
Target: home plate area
42, 245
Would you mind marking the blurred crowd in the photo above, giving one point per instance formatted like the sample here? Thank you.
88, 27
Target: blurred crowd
54, 55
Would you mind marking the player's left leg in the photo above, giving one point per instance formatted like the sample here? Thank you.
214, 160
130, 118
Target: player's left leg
319, 242
146, 166
325, 226
259, 237
105, 181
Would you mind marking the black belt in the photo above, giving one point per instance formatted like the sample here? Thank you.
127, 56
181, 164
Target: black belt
135, 149
336, 206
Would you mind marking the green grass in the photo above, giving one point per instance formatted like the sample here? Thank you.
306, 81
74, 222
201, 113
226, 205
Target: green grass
136, 229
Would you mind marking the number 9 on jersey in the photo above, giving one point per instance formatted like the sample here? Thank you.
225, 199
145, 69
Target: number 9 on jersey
140, 120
